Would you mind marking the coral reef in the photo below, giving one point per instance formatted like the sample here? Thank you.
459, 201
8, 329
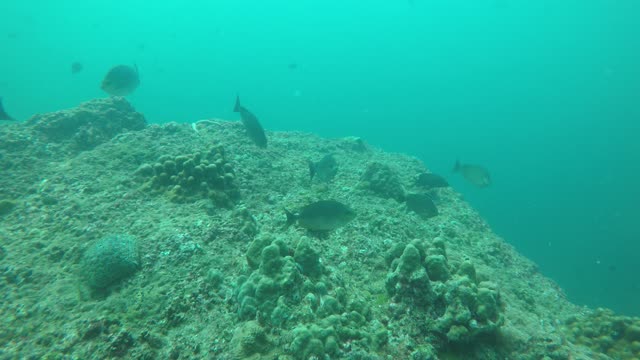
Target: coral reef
219, 276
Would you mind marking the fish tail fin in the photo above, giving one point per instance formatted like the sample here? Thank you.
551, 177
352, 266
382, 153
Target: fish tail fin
236, 108
312, 169
456, 167
3, 114
291, 218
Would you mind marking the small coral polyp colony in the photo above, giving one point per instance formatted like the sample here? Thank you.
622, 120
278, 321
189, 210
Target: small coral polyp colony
605, 332
289, 291
191, 177
465, 308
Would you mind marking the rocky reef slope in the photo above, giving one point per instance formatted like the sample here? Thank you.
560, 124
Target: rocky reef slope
120, 239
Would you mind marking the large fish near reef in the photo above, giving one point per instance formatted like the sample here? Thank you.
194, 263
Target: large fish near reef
3, 114
121, 80
422, 205
475, 174
431, 180
324, 170
251, 123
324, 215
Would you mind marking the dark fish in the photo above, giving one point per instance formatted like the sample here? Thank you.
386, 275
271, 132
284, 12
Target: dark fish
422, 205
431, 180
293, 66
323, 215
3, 114
251, 123
323, 170
121, 80
76, 67
475, 174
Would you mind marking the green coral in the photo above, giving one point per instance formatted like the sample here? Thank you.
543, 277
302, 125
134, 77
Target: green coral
292, 295
326, 336
409, 279
308, 259
249, 339
313, 341
276, 276
605, 332
472, 310
190, 177
464, 309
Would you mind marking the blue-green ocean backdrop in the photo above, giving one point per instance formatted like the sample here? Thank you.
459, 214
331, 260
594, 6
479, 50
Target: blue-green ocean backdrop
544, 93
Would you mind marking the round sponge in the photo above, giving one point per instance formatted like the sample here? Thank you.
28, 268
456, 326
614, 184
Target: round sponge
110, 260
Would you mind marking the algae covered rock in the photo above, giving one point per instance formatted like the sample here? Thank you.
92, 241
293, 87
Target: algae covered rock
249, 339
90, 124
383, 181
110, 260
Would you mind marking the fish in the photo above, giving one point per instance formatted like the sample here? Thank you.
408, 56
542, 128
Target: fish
324, 215
324, 170
431, 180
293, 66
76, 67
121, 80
251, 123
3, 114
475, 174
421, 204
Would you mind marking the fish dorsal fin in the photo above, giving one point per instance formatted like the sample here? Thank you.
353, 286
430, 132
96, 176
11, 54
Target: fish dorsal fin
135, 67
236, 108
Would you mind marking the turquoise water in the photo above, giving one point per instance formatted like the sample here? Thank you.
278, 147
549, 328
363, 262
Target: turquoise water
542, 93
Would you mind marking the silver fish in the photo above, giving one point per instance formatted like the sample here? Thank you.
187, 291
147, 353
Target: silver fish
324, 215
475, 174
121, 80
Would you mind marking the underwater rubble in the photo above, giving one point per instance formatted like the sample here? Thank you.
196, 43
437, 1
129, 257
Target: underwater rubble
121, 239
